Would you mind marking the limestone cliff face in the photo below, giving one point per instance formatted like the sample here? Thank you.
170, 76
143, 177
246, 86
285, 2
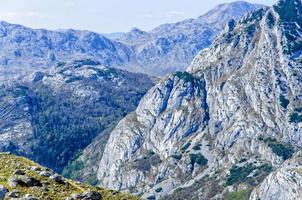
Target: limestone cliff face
284, 183
174, 109
240, 98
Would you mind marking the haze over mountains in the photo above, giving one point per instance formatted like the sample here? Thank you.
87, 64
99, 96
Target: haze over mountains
168, 48
229, 127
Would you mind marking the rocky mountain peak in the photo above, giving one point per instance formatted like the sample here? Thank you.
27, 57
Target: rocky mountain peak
236, 110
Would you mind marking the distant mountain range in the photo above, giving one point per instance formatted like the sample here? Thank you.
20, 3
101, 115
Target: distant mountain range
172, 47
229, 127
167, 48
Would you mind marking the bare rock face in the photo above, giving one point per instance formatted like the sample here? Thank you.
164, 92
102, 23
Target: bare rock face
284, 183
236, 110
172, 110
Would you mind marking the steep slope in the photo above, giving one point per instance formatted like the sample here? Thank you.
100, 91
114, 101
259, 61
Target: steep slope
172, 47
218, 130
284, 183
166, 49
51, 117
24, 179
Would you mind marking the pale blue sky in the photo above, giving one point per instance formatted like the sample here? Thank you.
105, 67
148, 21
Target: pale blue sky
104, 15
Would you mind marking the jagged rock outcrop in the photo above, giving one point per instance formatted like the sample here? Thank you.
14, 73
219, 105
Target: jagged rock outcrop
284, 183
172, 110
240, 120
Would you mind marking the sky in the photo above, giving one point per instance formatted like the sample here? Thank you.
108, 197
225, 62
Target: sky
104, 16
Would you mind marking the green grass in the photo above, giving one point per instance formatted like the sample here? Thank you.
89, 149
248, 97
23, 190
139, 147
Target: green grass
10, 163
239, 174
239, 195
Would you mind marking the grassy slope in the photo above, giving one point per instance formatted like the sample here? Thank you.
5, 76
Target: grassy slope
10, 163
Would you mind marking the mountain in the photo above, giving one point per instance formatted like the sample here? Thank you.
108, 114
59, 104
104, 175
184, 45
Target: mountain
172, 47
227, 127
24, 49
50, 117
167, 48
24, 179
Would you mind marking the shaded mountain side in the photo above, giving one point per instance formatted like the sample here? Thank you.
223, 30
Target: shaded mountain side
51, 117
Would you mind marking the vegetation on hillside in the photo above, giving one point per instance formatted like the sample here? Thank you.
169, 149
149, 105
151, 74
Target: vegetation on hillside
49, 188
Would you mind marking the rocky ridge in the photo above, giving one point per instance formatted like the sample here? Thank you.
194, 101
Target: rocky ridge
172, 47
217, 130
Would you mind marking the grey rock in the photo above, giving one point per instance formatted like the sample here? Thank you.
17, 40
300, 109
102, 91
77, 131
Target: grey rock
19, 172
89, 195
45, 173
35, 168
23, 181
29, 197
57, 178
245, 86
284, 183
3, 192
13, 194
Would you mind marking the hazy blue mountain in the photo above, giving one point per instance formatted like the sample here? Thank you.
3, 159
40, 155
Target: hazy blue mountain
172, 47
167, 48
24, 49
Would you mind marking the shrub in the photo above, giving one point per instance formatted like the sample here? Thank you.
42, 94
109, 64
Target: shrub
186, 146
159, 190
239, 195
177, 157
240, 174
283, 150
197, 147
295, 118
185, 76
283, 101
198, 158
149, 160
